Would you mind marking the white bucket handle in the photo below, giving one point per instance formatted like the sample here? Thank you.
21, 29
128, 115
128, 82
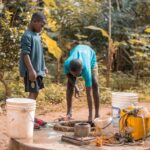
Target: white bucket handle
27, 110
24, 110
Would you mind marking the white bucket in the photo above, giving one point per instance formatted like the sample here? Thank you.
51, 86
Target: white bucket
20, 117
121, 100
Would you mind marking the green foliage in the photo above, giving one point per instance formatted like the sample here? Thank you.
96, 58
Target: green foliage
2, 95
68, 19
53, 93
143, 90
105, 95
8, 43
14, 19
72, 16
12, 23
122, 81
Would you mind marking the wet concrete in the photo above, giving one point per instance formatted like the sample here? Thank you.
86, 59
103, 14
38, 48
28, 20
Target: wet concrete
48, 139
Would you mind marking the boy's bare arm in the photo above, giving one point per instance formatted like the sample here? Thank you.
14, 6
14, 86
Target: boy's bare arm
31, 71
74, 84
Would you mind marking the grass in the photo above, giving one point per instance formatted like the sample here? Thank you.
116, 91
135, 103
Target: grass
53, 96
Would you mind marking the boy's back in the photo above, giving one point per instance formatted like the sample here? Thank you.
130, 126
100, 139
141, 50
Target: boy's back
88, 58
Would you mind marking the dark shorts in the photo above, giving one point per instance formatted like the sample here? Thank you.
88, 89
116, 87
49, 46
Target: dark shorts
33, 86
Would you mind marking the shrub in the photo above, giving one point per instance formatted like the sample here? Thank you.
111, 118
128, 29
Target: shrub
54, 93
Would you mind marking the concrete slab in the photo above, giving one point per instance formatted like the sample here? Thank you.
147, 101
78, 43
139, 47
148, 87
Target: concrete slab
48, 139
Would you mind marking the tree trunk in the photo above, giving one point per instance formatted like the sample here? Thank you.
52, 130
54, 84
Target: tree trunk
58, 72
109, 50
118, 5
7, 89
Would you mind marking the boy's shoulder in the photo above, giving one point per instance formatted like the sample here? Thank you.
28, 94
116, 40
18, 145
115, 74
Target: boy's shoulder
26, 35
82, 46
29, 34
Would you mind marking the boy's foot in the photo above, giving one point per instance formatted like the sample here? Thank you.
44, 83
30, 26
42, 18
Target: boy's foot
36, 126
91, 123
65, 118
40, 122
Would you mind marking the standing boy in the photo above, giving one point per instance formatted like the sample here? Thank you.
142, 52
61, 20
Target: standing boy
32, 63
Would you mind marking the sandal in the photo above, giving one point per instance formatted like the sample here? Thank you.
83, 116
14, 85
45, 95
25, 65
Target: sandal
36, 126
40, 122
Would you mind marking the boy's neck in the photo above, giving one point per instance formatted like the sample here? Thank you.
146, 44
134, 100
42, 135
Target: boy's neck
31, 28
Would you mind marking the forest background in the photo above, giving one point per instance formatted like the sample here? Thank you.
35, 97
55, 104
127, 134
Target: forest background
118, 30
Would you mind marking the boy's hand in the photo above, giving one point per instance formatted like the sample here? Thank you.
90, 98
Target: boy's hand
46, 71
32, 75
77, 91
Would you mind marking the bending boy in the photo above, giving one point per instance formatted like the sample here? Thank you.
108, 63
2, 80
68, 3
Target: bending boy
82, 62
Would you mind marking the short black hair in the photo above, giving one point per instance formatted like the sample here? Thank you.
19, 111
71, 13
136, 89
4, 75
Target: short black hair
38, 16
75, 65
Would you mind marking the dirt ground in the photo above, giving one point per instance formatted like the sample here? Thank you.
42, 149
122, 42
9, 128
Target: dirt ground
78, 114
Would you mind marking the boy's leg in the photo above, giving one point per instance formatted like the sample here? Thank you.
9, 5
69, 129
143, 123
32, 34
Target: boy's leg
33, 88
33, 95
90, 104
70, 88
95, 90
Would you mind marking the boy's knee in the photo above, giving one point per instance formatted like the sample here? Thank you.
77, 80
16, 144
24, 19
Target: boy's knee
33, 95
70, 88
95, 88
95, 84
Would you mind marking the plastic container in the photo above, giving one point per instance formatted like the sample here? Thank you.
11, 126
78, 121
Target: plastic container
103, 126
122, 100
20, 117
140, 126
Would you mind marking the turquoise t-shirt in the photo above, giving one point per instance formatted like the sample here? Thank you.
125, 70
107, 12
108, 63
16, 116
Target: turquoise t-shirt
88, 58
31, 45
